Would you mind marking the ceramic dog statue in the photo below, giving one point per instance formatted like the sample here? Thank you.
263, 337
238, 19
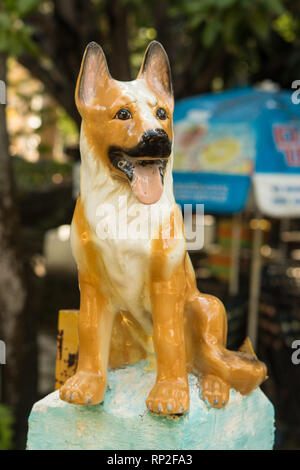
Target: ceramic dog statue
126, 148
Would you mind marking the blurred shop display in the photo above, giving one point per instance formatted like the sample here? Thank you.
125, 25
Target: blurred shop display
223, 270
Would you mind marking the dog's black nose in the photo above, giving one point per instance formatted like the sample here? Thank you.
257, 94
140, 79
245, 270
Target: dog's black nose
155, 143
155, 135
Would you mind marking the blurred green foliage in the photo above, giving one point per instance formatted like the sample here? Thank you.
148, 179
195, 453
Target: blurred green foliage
66, 125
229, 20
39, 176
15, 34
247, 33
287, 26
235, 26
6, 427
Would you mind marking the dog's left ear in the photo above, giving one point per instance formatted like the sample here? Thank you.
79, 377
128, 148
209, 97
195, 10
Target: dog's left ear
156, 70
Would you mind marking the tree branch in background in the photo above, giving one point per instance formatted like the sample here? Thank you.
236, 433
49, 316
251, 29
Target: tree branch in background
61, 36
118, 38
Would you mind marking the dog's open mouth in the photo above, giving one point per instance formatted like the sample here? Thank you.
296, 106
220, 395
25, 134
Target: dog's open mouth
145, 175
144, 164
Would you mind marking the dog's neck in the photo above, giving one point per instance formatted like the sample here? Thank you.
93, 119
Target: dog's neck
97, 177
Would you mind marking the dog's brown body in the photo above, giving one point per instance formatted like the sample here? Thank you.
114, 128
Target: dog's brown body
146, 288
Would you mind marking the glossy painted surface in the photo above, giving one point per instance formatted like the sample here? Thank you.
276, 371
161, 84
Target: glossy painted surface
151, 279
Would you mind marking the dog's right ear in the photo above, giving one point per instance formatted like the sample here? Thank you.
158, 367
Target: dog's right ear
93, 72
156, 70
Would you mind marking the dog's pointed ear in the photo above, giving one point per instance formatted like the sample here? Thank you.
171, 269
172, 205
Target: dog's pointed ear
93, 72
157, 72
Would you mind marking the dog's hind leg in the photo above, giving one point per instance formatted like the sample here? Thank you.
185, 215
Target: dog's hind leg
219, 368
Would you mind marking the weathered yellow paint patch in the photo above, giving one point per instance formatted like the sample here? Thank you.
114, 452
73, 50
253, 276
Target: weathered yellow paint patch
67, 346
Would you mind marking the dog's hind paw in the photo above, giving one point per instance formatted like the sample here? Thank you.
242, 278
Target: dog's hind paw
215, 391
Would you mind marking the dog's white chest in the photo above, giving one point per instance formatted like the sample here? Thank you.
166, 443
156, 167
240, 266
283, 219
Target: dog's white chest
127, 263
123, 239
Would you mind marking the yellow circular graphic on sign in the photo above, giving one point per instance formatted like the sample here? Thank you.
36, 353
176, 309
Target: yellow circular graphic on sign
220, 152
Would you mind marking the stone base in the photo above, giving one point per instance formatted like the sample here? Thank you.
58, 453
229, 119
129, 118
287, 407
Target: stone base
122, 421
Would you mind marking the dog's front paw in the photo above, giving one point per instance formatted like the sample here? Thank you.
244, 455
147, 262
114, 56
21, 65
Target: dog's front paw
169, 397
84, 388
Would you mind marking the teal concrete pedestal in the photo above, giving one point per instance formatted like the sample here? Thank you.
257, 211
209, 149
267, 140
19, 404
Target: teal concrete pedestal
122, 421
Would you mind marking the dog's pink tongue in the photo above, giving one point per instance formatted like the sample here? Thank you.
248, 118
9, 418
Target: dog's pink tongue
146, 183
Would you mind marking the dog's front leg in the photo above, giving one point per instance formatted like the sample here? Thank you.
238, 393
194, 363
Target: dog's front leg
170, 394
88, 385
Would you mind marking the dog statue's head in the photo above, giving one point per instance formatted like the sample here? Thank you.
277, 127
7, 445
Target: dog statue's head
129, 124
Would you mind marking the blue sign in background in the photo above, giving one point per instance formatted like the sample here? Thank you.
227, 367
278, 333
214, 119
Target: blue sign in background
272, 124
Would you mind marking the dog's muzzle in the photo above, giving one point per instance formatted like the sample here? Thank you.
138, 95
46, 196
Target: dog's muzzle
144, 164
154, 143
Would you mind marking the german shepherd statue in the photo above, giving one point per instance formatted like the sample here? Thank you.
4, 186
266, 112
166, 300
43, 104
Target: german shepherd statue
146, 285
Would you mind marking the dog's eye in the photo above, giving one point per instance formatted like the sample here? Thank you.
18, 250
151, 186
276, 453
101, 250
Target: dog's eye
123, 114
161, 113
